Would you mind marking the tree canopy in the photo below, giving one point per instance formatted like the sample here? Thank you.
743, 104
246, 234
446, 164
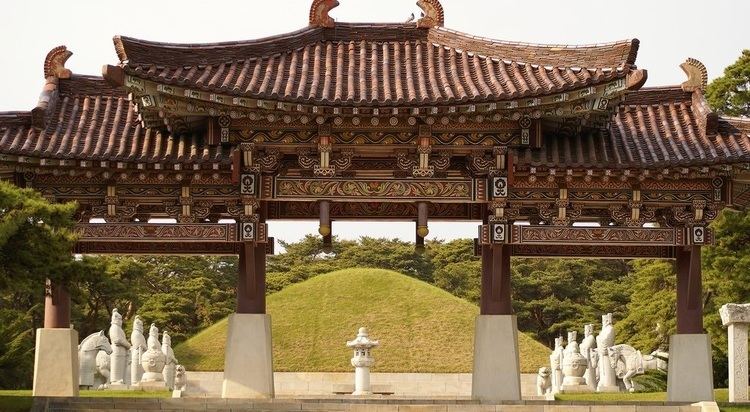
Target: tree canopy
730, 93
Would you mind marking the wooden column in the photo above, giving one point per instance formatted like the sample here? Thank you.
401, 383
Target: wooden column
251, 281
56, 306
495, 296
689, 290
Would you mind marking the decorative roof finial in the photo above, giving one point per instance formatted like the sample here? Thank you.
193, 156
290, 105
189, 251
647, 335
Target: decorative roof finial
54, 63
433, 14
697, 75
319, 13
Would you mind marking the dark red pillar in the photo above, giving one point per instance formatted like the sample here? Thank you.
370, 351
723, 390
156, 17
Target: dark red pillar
56, 306
495, 297
689, 290
251, 282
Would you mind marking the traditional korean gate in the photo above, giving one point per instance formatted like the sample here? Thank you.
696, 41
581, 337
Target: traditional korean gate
383, 121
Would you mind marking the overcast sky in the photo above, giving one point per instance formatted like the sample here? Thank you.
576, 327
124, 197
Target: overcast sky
713, 32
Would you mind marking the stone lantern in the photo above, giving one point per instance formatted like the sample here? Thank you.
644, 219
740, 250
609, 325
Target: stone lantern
362, 360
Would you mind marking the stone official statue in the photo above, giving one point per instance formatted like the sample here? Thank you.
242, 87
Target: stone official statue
138, 348
171, 361
605, 340
120, 348
588, 350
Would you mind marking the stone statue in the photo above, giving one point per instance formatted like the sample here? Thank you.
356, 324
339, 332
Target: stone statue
628, 362
138, 348
544, 381
153, 360
171, 361
120, 348
588, 350
574, 364
605, 340
101, 377
556, 360
90, 373
180, 378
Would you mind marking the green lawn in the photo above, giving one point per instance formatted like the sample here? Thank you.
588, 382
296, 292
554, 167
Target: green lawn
721, 396
421, 328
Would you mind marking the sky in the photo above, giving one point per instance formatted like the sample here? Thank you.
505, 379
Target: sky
713, 32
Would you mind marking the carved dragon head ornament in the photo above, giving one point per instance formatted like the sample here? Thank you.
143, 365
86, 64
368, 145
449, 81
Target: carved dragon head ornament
54, 63
433, 14
697, 75
319, 13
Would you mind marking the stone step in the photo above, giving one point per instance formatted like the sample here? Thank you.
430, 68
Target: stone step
375, 404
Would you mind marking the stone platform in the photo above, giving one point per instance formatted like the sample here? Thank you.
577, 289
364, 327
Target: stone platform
314, 384
348, 403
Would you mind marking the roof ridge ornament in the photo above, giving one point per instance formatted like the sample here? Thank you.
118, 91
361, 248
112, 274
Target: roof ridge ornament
319, 13
697, 75
433, 14
54, 63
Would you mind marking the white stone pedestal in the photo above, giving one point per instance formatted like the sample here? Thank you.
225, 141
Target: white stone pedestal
690, 372
248, 365
737, 362
56, 362
496, 375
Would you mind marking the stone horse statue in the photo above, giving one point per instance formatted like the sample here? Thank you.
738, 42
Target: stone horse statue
657, 359
629, 362
93, 372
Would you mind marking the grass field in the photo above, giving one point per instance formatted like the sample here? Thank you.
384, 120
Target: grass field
421, 328
721, 396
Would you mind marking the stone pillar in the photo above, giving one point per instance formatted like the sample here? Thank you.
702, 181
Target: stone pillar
248, 364
496, 375
736, 318
56, 351
690, 369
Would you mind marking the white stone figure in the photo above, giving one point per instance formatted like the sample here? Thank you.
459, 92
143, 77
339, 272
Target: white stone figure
627, 362
153, 360
88, 352
574, 364
544, 381
606, 339
736, 318
120, 348
137, 349
556, 360
101, 377
171, 361
180, 378
362, 361
657, 359
588, 350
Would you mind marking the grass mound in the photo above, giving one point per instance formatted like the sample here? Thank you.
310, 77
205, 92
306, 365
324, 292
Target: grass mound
421, 328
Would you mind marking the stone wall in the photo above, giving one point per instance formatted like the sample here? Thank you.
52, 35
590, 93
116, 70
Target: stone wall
296, 384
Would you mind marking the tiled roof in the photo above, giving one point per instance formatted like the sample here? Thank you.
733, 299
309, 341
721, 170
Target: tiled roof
90, 120
653, 128
377, 64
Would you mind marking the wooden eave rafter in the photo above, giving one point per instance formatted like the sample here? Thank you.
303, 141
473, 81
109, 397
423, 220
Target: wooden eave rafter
169, 100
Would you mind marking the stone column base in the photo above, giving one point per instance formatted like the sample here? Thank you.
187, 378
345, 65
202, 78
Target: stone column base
608, 389
248, 365
56, 362
496, 375
690, 371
